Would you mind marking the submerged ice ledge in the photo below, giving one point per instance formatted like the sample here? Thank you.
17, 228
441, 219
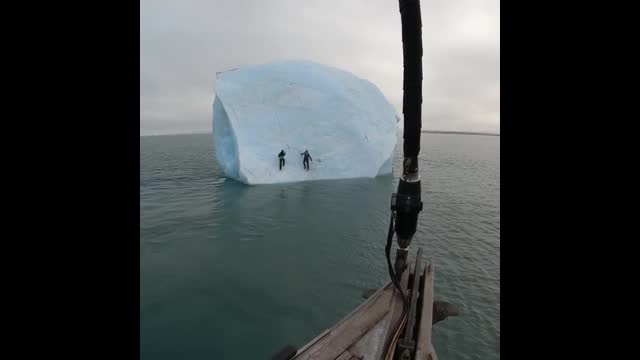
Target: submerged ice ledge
346, 123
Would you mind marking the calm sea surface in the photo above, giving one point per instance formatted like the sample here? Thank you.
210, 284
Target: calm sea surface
229, 271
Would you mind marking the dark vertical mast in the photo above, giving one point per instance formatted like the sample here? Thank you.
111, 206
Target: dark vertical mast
407, 200
412, 81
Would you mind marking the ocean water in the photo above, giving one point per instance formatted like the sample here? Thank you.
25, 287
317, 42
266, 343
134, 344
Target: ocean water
229, 271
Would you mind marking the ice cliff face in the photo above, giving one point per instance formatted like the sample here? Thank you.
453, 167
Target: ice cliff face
346, 123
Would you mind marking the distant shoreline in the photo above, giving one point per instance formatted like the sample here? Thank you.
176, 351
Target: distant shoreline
423, 131
458, 132
180, 133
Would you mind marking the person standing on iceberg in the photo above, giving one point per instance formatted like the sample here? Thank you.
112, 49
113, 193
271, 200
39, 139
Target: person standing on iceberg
281, 157
305, 160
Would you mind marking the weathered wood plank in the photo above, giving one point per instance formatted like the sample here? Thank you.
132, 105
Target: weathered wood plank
363, 332
398, 306
414, 296
347, 317
424, 346
350, 330
345, 356
432, 353
372, 342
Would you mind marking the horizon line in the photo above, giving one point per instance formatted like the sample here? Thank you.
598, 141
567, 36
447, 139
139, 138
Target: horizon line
459, 132
196, 132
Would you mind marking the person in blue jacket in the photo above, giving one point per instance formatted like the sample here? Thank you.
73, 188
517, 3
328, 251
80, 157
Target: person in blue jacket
305, 160
281, 157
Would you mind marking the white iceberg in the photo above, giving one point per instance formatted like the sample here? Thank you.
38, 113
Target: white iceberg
346, 123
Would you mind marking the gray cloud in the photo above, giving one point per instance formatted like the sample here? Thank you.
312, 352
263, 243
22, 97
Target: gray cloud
183, 43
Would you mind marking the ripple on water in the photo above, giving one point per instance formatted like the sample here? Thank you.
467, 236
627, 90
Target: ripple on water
221, 262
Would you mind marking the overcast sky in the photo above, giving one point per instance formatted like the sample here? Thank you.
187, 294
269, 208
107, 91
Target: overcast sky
183, 43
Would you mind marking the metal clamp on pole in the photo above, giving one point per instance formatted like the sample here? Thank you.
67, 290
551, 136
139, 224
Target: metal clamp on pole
406, 204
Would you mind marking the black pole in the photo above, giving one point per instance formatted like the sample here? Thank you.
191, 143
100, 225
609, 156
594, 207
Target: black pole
407, 200
412, 80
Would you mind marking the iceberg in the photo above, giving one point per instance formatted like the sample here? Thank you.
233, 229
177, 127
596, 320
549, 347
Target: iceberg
345, 122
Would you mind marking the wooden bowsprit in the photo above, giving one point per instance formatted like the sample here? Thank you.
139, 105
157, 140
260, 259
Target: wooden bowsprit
363, 332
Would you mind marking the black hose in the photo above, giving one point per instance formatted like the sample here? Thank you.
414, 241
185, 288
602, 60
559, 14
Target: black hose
412, 77
387, 252
395, 281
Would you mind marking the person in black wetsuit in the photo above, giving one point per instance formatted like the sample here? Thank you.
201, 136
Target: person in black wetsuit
305, 160
281, 157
